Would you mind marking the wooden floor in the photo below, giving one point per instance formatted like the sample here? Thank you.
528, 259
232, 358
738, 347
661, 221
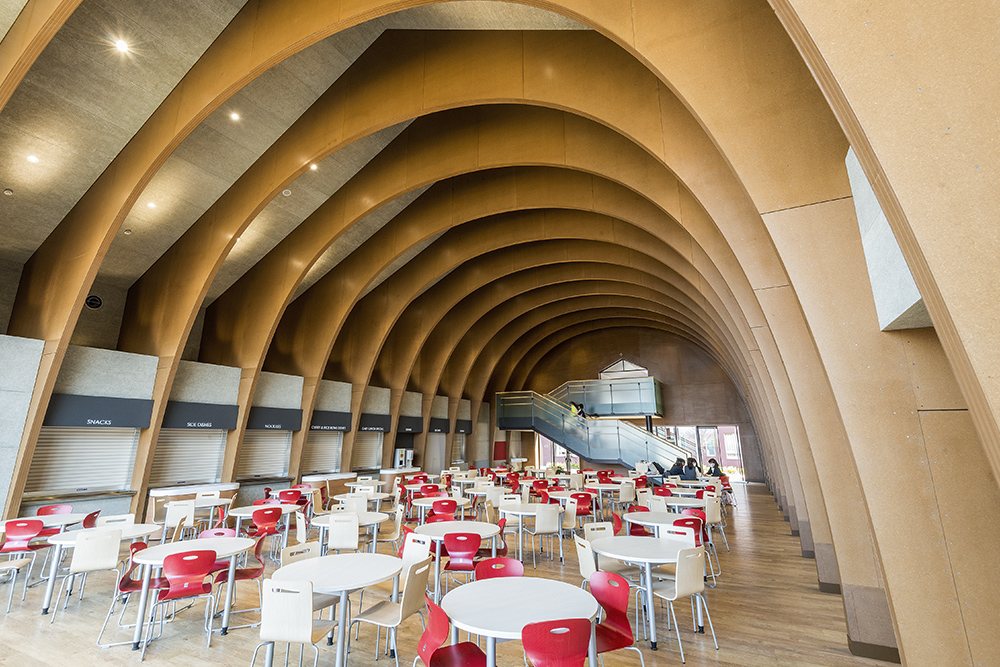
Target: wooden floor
767, 610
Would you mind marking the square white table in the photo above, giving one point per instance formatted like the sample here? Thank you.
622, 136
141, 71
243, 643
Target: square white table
340, 574
500, 608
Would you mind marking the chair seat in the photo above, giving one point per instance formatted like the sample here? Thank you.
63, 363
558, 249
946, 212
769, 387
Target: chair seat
610, 640
614, 565
135, 585
15, 564
180, 594
241, 574
665, 589
322, 601
466, 654
384, 613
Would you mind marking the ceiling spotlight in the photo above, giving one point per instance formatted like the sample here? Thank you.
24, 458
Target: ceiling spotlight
314, 167
127, 232
151, 205
234, 116
32, 159
287, 193
121, 45
8, 191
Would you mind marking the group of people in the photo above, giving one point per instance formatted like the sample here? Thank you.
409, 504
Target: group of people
692, 470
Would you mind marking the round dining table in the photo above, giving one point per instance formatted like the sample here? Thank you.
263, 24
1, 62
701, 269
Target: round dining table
153, 557
500, 608
427, 503
340, 574
365, 520
521, 511
437, 531
247, 512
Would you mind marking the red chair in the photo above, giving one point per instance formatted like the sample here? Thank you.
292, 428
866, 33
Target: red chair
445, 507
218, 532
635, 529
185, 573
429, 648
663, 491
560, 643
700, 493
493, 568
670, 485
426, 489
614, 632
583, 504
266, 501
90, 521
290, 496
19, 534
306, 493
616, 523
254, 572
701, 515
462, 550
692, 522
437, 518
126, 586
641, 482
265, 522
49, 510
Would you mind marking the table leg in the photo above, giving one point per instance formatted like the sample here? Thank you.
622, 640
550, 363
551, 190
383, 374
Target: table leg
140, 616
520, 537
51, 583
592, 648
491, 652
437, 572
230, 588
341, 630
651, 619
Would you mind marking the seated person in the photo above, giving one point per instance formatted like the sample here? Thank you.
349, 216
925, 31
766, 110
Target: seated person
678, 468
691, 470
713, 468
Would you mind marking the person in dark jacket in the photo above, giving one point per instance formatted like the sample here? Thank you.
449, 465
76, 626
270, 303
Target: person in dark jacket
713, 469
678, 469
691, 470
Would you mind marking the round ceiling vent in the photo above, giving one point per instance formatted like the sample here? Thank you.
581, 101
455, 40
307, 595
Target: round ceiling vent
94, 302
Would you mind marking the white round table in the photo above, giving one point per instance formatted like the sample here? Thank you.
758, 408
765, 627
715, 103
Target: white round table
247, 512
224, 547
437, 531
339, 575
67, 539
365, 520
427, 503
644, 551
520, 510
377, 483
652, 520
500, 608
376, 498
696, 503
601, 488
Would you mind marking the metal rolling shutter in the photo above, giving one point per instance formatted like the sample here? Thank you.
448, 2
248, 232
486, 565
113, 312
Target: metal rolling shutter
367, 449
188, 456
69, 460
264, 454
458, 447
322, 452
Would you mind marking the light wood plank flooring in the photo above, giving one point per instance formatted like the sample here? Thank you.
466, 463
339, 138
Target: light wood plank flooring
767, 610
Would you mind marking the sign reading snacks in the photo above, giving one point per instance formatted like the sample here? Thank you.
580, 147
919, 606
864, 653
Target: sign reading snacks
274, 419
98, 411
325, 420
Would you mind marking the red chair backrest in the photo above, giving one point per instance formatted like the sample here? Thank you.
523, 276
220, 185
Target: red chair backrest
701, 515
429, 488
217, 532
267, 501
290, 496
127, 583
267, 519
691, 522
301, 486
446, 506
635, 529
710, 488
616, 523
19, 533
462, 548
186, 574
582, 501
419, 479
670, 485
612, 593
641, 482
436, 632
54, 509
603, 478
560, 643
436, 518
662, 491
492, 568
406, 530
90, 521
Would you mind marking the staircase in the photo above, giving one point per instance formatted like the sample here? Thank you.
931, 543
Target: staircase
597, 440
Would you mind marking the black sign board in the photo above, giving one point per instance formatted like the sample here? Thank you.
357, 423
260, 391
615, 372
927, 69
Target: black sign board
463, 426
410, 425
326, 420
369, 422
200, 415
439, 425
98, 411
274, 419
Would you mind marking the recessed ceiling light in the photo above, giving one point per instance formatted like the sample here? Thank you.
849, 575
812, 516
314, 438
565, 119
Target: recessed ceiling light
234, 116
287, 193
127, 232
121, 45
314, 167
8, 191
32, 159
151, 205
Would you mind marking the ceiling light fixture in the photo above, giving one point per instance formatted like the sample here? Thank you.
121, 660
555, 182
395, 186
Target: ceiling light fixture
151, 205
8, 191
121, 45
127, 232
32, 159
314, 167
234, 116
287, 193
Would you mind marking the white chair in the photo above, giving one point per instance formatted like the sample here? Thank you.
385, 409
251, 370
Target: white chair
569, 517
305, 551
116, 520
546, 523
642, 497
356, 502
625, 496
513, 521
657, 504
12, 567
389, 614
343, 532
598, 529
180, 517
688, 582
576, 481
399, 514
92, 552
286, 616
301, 528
